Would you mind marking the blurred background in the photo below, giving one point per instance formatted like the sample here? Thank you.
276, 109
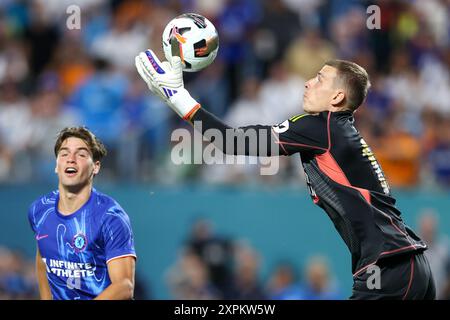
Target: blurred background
222, 231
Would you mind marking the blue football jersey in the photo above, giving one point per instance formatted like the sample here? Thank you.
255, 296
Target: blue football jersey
76, 248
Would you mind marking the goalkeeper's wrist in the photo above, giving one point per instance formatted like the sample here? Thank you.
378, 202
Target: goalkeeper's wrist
184, 104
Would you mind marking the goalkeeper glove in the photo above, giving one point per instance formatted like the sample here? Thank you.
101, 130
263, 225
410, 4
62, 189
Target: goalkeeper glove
166, 81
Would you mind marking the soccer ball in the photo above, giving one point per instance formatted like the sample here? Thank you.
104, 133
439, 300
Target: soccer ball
193, 38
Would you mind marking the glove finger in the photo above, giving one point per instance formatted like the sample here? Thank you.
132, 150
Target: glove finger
141, 70
166, 65
177, 65
174, 78
152, 85
146, 65
154, 62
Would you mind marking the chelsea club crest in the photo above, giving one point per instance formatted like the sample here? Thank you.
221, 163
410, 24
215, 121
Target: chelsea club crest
79, 242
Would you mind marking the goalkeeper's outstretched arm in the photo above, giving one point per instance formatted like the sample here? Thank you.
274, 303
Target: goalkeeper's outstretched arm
165, 80
252, 140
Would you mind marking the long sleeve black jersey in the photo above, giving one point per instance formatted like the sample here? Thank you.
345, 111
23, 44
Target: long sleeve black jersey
342, 174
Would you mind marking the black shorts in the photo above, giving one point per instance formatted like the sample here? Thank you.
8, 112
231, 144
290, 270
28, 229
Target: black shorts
405, 277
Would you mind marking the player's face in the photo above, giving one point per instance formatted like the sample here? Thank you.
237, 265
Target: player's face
321, 92
74, 164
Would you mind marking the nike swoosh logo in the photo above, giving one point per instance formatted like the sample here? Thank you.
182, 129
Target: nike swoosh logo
39, 237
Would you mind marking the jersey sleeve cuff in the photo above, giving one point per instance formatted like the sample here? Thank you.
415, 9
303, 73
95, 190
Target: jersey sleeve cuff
121, 256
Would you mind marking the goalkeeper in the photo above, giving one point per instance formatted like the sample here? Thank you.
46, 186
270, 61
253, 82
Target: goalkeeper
342, 174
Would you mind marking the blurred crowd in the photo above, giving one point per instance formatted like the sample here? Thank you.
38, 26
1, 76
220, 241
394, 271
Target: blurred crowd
215, 266
17, 276
212, 265
52, 76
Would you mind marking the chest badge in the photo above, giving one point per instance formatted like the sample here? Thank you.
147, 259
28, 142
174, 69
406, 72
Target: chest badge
79, 242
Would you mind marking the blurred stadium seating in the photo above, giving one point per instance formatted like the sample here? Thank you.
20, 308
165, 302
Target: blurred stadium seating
51, 77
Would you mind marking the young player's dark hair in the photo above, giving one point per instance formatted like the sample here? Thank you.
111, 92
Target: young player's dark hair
95, 146
355, 80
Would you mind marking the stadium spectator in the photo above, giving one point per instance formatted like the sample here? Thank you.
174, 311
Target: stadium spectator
307, 53
14, 135
73, 65
144, 129
379, 104
212, 87
42, 37
49, 117
280, 83
439, 155
436, 15
215, 252
278, 27
189, 279
14, 66
17, 281
319, 285
350, 32
125, 33
98, 102
248, 106
438, 252
399, 154
246, 284
235, 25
283, 283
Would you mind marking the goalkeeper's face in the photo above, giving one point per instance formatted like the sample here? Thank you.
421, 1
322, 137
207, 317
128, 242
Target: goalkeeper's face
322, 92
75, 166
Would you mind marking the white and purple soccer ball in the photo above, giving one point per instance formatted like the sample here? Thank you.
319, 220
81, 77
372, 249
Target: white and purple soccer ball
193, 38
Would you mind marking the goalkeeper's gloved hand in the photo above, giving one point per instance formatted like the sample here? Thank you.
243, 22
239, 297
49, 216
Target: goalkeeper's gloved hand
166, 81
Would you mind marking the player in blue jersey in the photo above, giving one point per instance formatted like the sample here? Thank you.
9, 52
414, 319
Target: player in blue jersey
85, 246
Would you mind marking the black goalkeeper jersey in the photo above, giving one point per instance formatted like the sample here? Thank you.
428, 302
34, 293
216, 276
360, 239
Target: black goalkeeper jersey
343, 177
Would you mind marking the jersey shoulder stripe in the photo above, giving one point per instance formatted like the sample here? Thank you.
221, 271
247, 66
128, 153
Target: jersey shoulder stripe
297, 117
